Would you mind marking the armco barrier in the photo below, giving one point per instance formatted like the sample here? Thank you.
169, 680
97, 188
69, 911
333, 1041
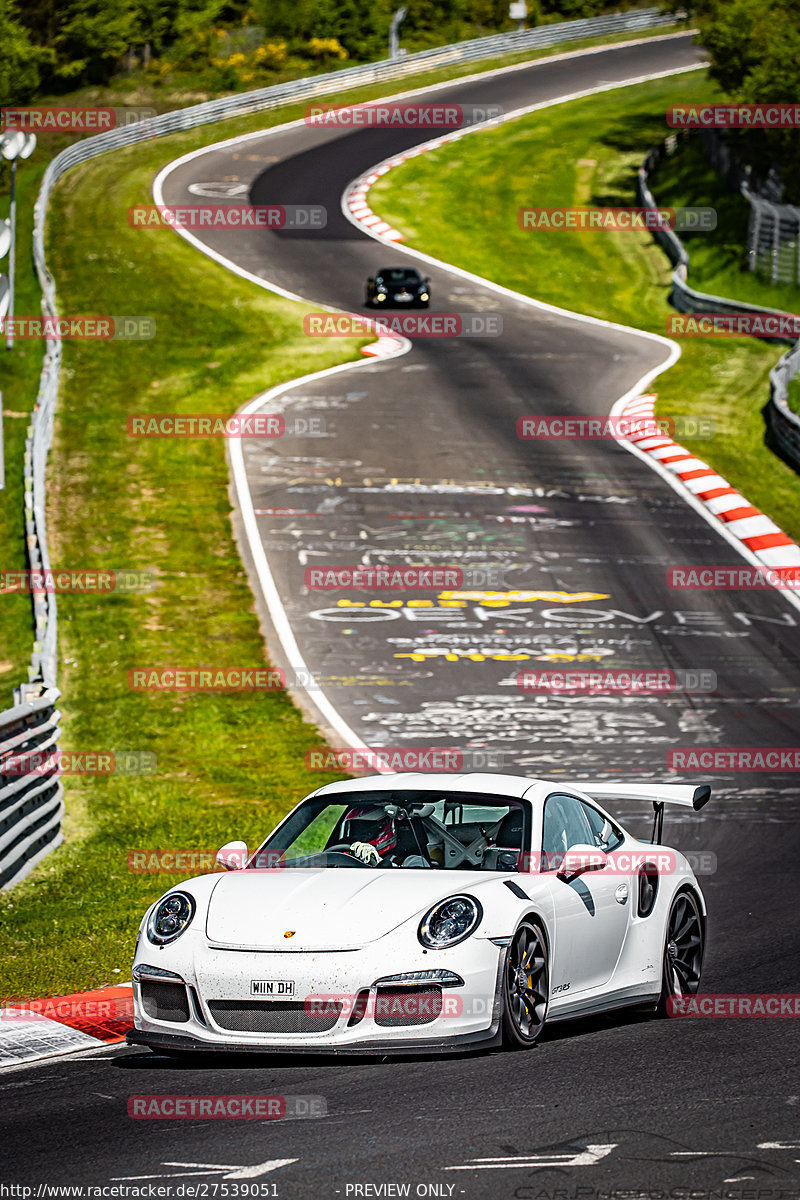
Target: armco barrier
31, 804
785, 424
30, 831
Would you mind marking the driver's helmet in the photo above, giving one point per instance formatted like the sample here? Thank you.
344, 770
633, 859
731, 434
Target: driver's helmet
370, 823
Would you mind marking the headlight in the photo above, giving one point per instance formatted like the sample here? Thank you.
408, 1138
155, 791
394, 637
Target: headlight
424, 296
381, 296
169, 918
449, 922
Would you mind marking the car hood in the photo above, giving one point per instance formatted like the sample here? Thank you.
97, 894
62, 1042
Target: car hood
325, 909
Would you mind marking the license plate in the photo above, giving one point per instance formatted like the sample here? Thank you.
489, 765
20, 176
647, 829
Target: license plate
272, 987
404, 296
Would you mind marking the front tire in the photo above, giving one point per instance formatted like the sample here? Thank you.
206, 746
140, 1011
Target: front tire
682, 961
526, 987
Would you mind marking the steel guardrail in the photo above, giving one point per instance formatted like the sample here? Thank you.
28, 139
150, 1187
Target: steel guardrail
784, 424
31, 792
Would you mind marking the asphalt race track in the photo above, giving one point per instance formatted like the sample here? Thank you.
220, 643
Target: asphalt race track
420, 463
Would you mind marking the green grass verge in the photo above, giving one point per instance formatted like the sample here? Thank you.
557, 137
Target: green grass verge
460, 203
717, 260
228, 764
793, 395
19, 382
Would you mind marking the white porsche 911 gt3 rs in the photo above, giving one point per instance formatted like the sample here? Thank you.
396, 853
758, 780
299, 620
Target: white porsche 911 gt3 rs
423, 912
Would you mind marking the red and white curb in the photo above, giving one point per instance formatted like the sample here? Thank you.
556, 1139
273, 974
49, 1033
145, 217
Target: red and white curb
385, 347
354, 200
361, 212
31, 1030
762, 537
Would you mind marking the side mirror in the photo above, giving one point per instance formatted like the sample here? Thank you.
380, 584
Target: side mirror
581, 858
232, 856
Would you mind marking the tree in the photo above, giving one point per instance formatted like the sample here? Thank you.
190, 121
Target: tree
754, 48
20, 60
362, 26
91, 38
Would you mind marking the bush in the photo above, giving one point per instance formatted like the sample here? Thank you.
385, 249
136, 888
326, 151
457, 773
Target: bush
271, 55
324, 49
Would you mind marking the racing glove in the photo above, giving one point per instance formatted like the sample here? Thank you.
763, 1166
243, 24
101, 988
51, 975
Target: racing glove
367, 853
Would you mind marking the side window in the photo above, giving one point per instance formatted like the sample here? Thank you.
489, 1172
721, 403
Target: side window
565, 824
604, 833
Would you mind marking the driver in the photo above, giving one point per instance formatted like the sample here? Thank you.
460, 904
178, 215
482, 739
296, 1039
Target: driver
372, 831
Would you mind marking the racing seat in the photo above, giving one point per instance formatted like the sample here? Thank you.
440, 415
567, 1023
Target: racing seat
502, 855
406, 842
509, 835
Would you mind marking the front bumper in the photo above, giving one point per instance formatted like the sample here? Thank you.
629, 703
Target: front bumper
216, 978
449, 1045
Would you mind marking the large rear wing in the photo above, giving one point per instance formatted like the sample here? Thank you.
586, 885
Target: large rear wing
687, 795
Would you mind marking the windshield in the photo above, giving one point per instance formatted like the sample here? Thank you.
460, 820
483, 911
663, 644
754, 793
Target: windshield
398, 275
412, 830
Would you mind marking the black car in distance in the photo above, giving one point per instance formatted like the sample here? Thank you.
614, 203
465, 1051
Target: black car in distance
397, 287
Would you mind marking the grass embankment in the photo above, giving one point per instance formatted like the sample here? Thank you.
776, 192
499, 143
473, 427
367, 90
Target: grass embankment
460, 204
19, 383
228, 763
